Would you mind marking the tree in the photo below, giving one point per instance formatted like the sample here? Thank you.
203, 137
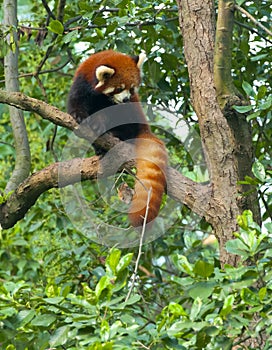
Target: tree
222, 89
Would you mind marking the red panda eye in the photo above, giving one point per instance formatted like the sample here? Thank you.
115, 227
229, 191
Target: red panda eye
118, 90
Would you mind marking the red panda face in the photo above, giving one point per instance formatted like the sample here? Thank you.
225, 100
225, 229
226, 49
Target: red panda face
113, 74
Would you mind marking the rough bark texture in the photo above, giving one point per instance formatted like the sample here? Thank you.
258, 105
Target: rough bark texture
227, 96
197, 22
46, 111
22, 151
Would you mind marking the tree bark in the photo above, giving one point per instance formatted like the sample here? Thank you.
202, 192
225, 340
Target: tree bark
228, 96
22, 158
220, 141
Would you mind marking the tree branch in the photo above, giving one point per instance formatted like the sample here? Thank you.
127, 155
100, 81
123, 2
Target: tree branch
197, 26
45, 110
29, 191
248, 15
223, 54
22, 151
252, 30
61, 174
228, 96
180, 188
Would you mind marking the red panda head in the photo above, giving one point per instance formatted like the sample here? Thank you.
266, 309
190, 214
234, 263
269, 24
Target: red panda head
113, 74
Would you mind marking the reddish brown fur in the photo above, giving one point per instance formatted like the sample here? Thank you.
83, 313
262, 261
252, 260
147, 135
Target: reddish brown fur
151, 166
125, 67
151, 154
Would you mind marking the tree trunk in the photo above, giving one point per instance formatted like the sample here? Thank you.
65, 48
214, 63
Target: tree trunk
197, 22
23, 163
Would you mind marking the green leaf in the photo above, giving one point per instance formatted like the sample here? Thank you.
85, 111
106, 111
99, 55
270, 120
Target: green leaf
10, 347
202, 339
45, 320
71, 36
203, 269
262, 293
103, 284
132, 300
99, 33
176, 309
265, 105
248, 88
240, 2
124, 262
253, 115
155, 71
56, 27
202, 290
259, 171
235, 246
25, 316
258, 57
261, 92
243, 109
7, 312
249, 297
227, 307
245, 220
55, 300
179, 327
59, 337
105, 330
183, 264
195, 309
113, 260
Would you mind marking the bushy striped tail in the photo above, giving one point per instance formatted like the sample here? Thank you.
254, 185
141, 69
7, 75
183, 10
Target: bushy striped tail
151, 164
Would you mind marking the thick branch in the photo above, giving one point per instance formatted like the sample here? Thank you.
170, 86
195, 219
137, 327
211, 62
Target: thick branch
29, 191
22, 151
227, 97
197, 24
45, 110
59, 175
223, 53
197, 18
225, 136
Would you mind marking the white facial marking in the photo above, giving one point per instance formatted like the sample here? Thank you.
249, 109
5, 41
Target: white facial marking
102, 73
122, 97
108, 90
101, 83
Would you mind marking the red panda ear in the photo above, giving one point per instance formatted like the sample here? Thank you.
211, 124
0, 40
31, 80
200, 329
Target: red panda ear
103, 73
140, 59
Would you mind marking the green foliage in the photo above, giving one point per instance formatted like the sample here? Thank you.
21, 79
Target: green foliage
58, 289
73, 296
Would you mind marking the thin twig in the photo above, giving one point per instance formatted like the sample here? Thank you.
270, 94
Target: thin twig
253, 30
7, 144
48, 10
133, 277
248, 15
142, 345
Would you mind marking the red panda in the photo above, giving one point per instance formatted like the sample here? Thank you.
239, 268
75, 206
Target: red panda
109, 78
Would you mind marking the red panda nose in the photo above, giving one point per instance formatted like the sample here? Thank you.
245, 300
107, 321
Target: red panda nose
125, 99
